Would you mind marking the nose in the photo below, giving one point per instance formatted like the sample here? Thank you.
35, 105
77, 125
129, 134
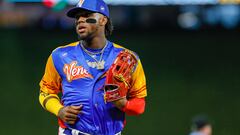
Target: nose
81, 20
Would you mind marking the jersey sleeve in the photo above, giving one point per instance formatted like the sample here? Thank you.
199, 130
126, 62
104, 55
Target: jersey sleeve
138, 89
51, 80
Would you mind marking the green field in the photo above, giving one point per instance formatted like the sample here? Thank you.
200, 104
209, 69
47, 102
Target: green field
187, 74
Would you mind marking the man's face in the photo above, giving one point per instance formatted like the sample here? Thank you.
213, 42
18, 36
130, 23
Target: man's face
207, 130
86, 30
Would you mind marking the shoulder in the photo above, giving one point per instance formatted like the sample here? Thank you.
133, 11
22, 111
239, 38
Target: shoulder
117, 46
65, 48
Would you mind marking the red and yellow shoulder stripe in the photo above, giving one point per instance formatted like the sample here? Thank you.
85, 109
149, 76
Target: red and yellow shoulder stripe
68, 45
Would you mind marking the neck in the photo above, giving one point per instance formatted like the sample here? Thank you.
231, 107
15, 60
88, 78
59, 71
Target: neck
95, 43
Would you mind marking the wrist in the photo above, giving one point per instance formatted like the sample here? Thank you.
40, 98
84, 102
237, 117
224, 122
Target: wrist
54, 106
121, 103
59, 111
125, 107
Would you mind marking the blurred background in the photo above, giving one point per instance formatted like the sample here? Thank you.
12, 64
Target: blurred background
189, 50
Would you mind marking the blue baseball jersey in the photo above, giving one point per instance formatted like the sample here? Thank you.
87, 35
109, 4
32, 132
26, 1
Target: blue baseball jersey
74, 73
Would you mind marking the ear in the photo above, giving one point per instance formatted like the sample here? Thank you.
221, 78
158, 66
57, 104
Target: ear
103, 21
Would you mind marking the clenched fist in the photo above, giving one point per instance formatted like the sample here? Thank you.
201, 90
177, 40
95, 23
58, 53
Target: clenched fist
69, 113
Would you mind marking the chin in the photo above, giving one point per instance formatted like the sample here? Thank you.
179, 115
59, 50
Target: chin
82, 36
85, 36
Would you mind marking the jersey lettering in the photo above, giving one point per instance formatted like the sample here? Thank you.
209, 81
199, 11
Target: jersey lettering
74, 72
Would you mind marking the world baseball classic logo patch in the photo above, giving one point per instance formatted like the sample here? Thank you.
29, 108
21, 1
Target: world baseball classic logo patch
74, 72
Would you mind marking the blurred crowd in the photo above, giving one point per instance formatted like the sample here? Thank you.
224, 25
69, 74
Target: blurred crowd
191, 17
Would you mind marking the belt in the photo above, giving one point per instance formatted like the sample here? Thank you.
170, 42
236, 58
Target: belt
71, 131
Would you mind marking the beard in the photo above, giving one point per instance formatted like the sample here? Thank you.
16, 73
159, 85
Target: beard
83, 37
87, 36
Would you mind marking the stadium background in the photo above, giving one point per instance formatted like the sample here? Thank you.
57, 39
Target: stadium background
190, 52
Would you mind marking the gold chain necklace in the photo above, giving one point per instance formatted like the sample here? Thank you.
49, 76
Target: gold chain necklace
100, 63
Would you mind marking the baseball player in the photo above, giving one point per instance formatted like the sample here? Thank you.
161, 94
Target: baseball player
99, 81
201, 126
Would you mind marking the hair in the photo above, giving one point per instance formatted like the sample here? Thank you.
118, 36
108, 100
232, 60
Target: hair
200, 122
108, 28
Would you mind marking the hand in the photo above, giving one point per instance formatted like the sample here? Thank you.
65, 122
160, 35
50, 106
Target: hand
120, 103
69, 113
119, 77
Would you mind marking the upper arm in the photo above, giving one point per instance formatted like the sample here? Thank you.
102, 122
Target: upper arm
138, 86
51, 80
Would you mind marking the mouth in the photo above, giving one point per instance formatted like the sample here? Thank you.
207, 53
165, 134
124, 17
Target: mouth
81, 29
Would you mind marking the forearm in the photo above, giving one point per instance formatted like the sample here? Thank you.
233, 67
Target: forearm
135, 106
50, 102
